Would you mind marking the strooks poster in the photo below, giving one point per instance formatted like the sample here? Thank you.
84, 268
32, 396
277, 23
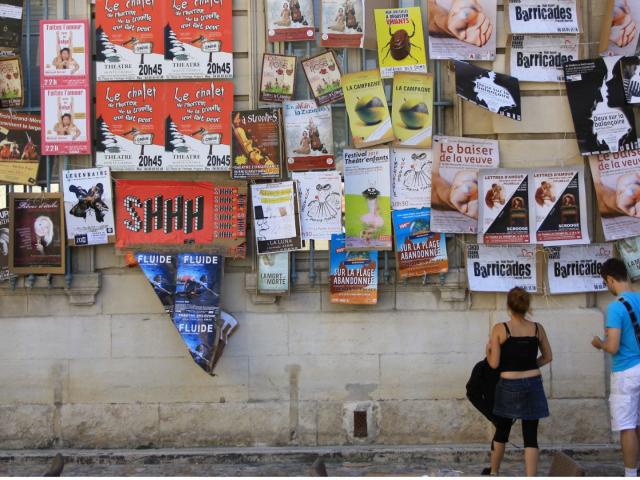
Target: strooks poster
256, 147
573, 269
354, 275
500, 268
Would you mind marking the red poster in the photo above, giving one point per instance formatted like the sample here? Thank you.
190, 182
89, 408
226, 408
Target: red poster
198, 39
199, 125
157, 212
130, 120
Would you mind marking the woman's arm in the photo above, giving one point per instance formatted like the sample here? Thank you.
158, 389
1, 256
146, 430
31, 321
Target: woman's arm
545, 348
493, 347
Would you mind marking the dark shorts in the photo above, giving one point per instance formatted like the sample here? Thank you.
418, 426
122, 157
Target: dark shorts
521, 399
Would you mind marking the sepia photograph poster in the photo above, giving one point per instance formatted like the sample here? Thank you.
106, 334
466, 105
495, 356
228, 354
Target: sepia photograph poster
320, 204
308, 133
354, 275
19, 147
412, 110
576, 268
549, 16
539, 58
499, 268
11, 82
256, 144
410, 178
276, 217
289, 20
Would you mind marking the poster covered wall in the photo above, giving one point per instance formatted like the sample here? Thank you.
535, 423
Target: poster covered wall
573, 269
276, 217
354, 275
550, 16
410, 178
320, 204
500, 268
19, 147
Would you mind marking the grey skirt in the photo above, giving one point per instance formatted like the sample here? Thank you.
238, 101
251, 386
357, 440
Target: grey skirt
521, 399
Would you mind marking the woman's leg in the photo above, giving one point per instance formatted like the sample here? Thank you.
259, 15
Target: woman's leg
501, 437
530, 436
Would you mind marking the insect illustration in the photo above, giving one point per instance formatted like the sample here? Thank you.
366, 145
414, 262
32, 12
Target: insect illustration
326, 204
399, 45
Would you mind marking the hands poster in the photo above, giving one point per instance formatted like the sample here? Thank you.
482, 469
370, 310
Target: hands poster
289, 20
198, 39
493, 91
418, 250
594, 87
342, 23
506, 204
130, 123
366, 105
616, 180
256, 144
273, 274
629, 250
560, 206
324, 77
454, 181
88, 203
619, 34
160, 270
163, 212
367, 186
500, 268
36, 236
462, 30
5, 236
320, 204
400, 41
276, 217
354, 275
11, 27
412, 110
129, 40
19, 147
308, 132
198, 125
573, 269
550, 16
539, 58
278, 77
410, 178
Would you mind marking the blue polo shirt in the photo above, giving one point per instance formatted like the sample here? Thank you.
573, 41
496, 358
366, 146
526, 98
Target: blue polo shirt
628, 355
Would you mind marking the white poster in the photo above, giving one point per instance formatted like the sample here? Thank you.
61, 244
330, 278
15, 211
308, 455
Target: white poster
619, 35
65, 116
577, 268
276, 218
320, 204
539, 58
560, 206
546, 16
88, 206
410, 178
454, 181
65, 50
501, 268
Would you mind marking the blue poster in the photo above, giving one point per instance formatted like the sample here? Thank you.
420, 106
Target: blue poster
160, 270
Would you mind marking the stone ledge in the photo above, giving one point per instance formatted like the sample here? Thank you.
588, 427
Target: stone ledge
82, 291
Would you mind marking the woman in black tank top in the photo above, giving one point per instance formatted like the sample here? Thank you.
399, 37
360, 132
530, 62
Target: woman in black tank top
513, 349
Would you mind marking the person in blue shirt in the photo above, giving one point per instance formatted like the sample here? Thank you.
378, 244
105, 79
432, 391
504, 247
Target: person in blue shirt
623, 345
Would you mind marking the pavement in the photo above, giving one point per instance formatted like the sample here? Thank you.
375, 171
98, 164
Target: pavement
346, 461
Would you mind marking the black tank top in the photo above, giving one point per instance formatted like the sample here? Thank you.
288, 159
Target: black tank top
519, 354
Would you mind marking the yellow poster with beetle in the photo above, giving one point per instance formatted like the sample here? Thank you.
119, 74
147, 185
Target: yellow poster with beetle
400, 40
412, 109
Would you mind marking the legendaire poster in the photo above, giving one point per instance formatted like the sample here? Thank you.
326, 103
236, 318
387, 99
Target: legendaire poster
308, 132
342, 23
197, 304
160, 270
320, 204
256, 147
454, 181
550, 16
418, 250
594, 87
198, 39
130, 124
506, 207
276, 217
154, 212
273, 274
560, 206
65, 51
539, 58
289, 20
354, 275
88, 205
487, 89
412, 109
462, 30
617, 186
367, 108
367, 186
5, 238
629, 250
410, 178
11, 26
499, 268
630, 67
324, 77
198, 125
278, 77
129, 40
619, 33
574, 269
400, 41
19, 147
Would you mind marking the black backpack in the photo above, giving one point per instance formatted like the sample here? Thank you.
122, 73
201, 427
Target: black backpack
481, 388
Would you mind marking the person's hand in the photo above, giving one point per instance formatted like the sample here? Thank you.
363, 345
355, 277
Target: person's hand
467, 22
39, 246
628, 194
464, 193
597, 342
623, 26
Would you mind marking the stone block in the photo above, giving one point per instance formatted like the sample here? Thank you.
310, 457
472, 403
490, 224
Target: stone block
417, 299
45, 305
128, 293
26, 426
259, 334
571, 331
149, 380
331, 430
33, 381
110, 426
145, 336
576, 421
578, 375
233, 296
12, 305
483, 301
386, 302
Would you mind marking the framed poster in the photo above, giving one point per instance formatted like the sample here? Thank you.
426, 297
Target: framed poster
354, 275
289, 20
276, 217
11, 82
308, 133
37, 233
412, 110
273, 274
5, 243
576, 268
320, 204
499, 268
11, 26
256, 145
88, 203
198, 39
550, 16
278, 77
19, 147
539, 58
410, 178
324, 77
